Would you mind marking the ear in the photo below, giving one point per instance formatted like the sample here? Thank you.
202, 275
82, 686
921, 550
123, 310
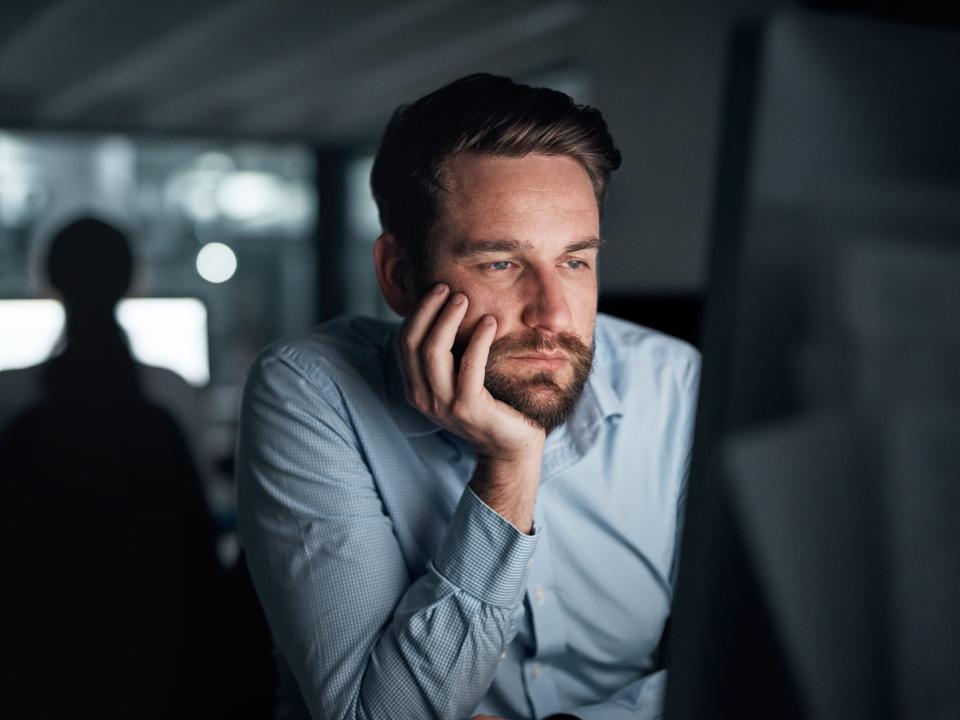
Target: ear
394, 275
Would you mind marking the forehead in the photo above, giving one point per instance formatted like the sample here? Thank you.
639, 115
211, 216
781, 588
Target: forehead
491, 196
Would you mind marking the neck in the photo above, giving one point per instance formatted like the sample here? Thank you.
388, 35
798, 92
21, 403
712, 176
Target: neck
93, 327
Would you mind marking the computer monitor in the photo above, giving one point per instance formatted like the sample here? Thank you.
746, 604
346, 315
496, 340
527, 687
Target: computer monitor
165, 332
820, 562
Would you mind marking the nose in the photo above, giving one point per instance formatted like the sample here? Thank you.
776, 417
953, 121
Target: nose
546, 307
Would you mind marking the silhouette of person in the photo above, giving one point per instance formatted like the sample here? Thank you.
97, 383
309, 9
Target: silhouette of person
107, 550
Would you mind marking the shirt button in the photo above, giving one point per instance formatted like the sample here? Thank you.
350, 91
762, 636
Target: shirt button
539, 594
530, 562
535, 670
503, 655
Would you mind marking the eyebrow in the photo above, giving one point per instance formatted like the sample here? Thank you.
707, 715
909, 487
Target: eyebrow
468, 248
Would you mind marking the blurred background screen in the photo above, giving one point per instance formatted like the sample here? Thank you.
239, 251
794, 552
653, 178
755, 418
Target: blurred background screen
164, 332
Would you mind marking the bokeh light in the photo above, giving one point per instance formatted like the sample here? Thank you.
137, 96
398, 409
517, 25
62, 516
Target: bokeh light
216, 262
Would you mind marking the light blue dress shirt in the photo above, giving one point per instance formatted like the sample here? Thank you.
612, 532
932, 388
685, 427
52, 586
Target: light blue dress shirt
393, 591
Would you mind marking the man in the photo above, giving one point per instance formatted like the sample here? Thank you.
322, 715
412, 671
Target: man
476, 512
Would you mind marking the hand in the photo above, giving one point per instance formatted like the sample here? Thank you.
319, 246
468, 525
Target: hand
459, 402
509, 447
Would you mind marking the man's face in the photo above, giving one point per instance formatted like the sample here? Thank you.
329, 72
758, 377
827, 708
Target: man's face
519, 237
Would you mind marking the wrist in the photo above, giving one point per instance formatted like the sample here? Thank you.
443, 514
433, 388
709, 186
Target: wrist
524, 455
509, 486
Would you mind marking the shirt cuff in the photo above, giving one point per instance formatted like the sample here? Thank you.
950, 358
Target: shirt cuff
485, 555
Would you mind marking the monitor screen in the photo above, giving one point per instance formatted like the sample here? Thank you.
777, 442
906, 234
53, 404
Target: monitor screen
820, 575
164, 332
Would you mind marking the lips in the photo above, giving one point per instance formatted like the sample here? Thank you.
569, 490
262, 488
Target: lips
541, 356
548, 362
532, 352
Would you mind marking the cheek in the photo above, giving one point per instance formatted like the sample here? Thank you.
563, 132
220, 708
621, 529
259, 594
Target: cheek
475, 311
583, 305
481, 302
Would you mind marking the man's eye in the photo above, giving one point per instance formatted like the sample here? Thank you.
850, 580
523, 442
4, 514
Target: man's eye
499, 265
576, 264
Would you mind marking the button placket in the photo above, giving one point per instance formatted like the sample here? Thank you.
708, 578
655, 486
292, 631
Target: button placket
545, 612
539, 594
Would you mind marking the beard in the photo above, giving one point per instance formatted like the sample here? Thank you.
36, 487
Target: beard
539, 397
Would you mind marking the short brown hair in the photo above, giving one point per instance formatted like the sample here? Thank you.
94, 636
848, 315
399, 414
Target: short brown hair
483, 114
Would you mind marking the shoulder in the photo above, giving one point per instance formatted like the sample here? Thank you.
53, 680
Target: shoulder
322, 384
345, 350
644, 367
26, 377
162, 381
168, 390
628, 354
20, 389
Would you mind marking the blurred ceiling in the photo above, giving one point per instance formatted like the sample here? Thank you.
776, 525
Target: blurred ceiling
328, 72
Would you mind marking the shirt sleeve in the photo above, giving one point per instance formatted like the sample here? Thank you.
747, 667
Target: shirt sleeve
363, 638
691, 392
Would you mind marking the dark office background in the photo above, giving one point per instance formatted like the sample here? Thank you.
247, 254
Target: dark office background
252, 124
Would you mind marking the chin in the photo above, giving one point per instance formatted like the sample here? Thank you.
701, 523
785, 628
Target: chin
539, 398
545, 392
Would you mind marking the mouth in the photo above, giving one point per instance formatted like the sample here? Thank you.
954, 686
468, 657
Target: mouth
553, 361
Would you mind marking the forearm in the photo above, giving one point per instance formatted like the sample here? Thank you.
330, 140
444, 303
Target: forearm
436, 659
430, 651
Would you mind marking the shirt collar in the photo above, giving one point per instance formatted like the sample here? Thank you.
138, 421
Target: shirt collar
598, 402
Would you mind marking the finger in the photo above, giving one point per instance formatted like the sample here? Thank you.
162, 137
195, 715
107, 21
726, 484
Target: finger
419, 323
411, 339
438, 348
473, 364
